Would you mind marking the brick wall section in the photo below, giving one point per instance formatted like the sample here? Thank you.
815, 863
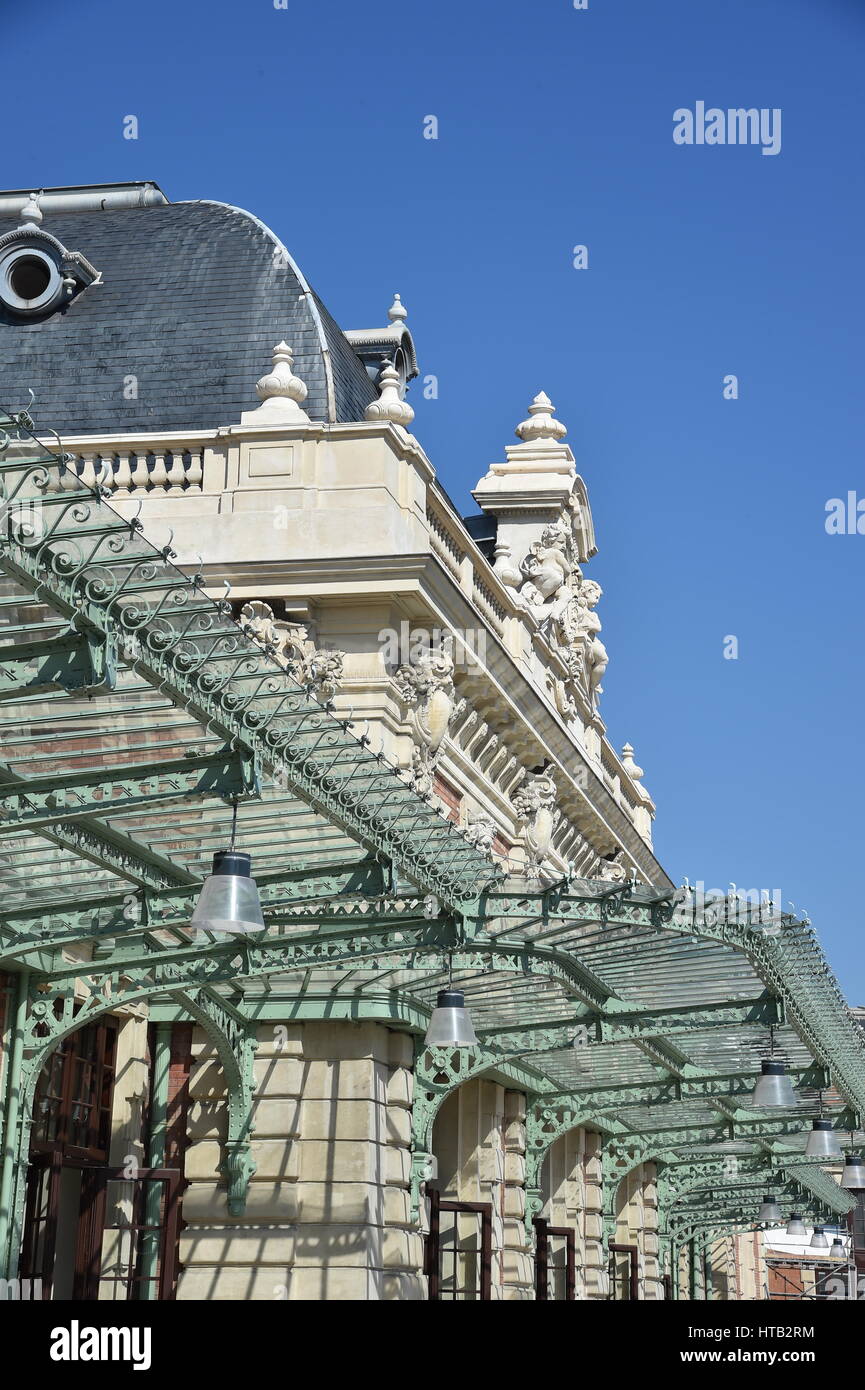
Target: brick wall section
449, 797
327, 1217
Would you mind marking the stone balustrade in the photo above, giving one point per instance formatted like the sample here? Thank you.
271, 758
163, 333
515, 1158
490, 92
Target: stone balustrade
169, 463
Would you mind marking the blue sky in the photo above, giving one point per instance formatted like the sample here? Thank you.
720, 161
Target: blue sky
555, 129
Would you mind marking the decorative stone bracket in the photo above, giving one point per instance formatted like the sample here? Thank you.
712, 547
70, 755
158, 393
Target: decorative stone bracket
426, 688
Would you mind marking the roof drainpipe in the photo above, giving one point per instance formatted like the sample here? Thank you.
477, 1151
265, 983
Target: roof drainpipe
99, 197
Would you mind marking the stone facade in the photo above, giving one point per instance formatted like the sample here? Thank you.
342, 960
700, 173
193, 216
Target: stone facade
338, 543
468, 652
327, 1215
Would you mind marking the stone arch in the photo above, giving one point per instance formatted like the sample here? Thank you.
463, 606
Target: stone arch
545, 1124
52, 1018
634, 1213
570, 1196
477, 1146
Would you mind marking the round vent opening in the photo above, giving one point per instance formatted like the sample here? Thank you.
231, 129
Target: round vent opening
30, 280
29, 277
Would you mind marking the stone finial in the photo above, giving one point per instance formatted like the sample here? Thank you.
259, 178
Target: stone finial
389, 406
540, 424
397, 313
279, 391
634, 772
31, 211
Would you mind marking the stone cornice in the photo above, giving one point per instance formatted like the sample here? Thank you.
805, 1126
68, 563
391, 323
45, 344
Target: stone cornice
421, 575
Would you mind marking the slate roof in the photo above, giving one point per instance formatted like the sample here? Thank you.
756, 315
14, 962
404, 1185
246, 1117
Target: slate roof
192, 300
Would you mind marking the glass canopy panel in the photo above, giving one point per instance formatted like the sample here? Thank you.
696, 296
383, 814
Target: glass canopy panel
134, 750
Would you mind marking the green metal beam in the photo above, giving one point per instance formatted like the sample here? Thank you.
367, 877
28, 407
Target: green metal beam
697, 1085
759, 1127
79, 663
665, 1023
33, 803
370, 1007
629, 1024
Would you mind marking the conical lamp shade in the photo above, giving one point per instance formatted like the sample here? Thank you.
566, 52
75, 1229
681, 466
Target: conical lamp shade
229, 900
822, 1141
818, 1239
853, 1175
774, 1087
769, 1211
838, 1250
451, 1023
796, 1226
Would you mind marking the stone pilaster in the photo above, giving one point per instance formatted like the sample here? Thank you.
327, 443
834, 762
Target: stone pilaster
653, 1282
594, 1256
518, 1272
327, 1214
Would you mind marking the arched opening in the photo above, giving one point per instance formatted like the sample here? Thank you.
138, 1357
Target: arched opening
100, 1217
480, 1249
634, 1264
462, 1197
569, 1252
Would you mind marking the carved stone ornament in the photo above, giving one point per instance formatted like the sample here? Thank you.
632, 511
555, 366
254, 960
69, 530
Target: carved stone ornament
426, 687
611, 869
321, 670
481, 832
281, 393
505, 566
561, 692
389, 406
540, 425
572, 627
535, 805
549, 572
318, 668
